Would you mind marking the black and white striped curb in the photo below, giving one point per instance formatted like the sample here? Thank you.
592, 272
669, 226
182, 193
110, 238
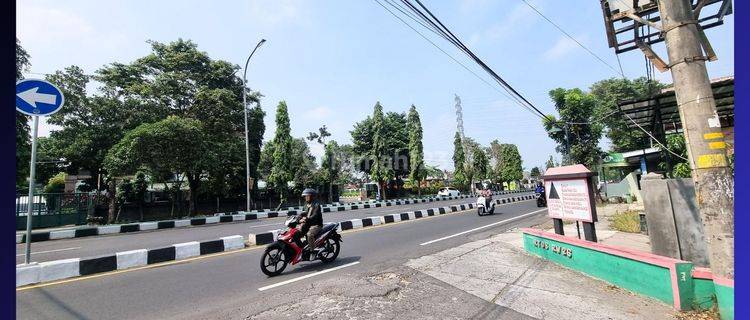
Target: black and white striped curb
81, 232
76, 267
270, 236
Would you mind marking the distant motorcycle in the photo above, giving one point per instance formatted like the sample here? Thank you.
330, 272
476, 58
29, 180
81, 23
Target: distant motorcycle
541, 200
485, 206
289, 247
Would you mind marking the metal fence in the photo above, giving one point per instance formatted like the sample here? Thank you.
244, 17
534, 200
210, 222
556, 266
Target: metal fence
54, 209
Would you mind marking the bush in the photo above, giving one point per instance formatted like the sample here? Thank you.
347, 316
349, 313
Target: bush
56, 184
628, 221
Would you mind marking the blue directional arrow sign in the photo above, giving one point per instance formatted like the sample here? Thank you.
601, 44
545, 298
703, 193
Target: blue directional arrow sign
36, 97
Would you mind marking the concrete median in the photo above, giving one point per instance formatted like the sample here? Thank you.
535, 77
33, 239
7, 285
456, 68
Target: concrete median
69, 268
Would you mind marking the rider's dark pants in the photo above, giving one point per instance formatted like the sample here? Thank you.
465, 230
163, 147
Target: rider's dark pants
310, 234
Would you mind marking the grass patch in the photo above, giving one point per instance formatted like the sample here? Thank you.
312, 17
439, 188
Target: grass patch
628, 221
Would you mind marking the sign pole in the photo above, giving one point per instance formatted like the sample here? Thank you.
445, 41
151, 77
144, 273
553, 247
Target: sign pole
30, 206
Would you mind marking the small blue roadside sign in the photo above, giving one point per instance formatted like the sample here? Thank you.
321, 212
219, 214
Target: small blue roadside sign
36, 97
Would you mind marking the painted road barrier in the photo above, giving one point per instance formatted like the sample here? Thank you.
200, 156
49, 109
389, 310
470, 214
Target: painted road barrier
239, 216
669, 280
69, 268
264, 238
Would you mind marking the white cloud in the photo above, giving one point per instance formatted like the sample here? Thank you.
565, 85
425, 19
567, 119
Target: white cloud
563, 47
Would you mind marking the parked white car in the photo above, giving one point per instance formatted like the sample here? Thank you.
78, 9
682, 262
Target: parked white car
448, 192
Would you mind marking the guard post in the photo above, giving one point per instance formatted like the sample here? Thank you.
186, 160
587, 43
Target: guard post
570, 195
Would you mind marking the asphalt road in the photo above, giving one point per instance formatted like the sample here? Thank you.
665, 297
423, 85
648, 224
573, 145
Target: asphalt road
102, 245
207, 286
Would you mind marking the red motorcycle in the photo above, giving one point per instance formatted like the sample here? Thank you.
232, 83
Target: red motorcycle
289, 247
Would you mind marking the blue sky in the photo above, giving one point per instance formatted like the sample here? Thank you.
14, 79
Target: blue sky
332, 60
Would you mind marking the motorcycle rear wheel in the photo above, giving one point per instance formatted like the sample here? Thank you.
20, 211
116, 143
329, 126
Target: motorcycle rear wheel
272, 257
332, 247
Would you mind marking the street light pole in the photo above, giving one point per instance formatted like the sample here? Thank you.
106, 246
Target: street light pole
247, 140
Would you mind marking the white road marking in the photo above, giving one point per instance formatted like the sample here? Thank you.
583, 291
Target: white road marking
307, 276
482, 227
265, 225
48, 251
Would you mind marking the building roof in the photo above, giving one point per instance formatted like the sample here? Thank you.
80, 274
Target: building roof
662, 108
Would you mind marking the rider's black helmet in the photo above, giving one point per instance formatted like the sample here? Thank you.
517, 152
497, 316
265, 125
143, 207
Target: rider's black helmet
309, 192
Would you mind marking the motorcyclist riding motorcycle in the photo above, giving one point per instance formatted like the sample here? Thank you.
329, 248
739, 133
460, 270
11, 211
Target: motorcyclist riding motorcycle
541, 197
312, 218
487, 194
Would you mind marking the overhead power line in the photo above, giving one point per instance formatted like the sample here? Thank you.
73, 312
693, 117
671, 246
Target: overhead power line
572, 38
420, 14
448, 55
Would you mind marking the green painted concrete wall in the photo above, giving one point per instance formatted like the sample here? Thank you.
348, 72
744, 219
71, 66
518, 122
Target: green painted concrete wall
725, 297
703, 293
639, 277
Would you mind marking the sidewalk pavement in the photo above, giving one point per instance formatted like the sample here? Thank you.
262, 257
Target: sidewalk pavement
493, 278
499, 271
604, 233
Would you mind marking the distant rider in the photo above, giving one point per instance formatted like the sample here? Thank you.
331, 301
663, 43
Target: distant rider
539, 189
487, 194
312, 217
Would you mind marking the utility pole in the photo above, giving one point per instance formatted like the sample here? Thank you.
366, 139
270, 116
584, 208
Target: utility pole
714, 184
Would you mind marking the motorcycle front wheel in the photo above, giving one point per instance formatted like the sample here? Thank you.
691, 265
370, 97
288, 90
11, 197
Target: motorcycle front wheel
330, 250
273, 261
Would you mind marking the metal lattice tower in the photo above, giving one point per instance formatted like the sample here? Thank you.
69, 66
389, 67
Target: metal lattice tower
460, 128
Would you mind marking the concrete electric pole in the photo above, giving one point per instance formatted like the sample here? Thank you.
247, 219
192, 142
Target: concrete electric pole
714, 184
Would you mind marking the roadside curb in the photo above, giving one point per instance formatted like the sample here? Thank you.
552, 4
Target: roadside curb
271, 236
234, 216
70, 268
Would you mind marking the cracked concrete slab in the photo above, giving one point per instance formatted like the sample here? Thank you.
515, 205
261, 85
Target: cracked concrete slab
395, 293
499, 271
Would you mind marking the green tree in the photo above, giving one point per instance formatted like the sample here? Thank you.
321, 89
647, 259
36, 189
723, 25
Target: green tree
480, 166
140, 187
579, 138
512, 166
416, 151
608, 93
162, 149
303, 166
550, 163
23, 131
680, 167
495, 156
331, 167
381, 169
56, 184
535, 173
319, 136
459, 159
177, 79
281, 170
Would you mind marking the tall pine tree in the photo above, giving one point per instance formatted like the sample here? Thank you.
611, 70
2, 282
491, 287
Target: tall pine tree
281, 171
416, 152
459, 173
381, 169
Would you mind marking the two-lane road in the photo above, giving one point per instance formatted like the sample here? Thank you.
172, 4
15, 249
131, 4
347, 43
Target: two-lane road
102, 245
223, 282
